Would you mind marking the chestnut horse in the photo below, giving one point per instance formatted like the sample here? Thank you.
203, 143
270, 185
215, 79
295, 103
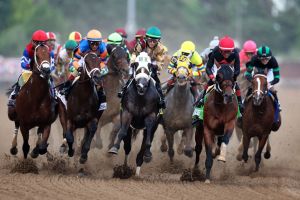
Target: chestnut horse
220, 112
34, 104
259, 118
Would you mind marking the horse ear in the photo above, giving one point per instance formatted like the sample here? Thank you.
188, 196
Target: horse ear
134, 65
152, 66
219, 77
109, 48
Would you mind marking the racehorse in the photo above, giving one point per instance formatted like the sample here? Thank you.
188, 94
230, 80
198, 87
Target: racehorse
178, 113
82, 105
140, 111
35, 106
220, 110
259, 118
118, 67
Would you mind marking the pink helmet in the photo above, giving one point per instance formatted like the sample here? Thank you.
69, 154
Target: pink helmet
249, 46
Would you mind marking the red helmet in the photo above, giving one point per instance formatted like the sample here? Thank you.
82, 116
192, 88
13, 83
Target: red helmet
140, 33
51, 36
226, 43
122, 32
39, 36
249, 46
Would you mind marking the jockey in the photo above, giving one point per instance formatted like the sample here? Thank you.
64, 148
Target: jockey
38, 37
156, 52
123, 33
115, 39
65, 57
76, 36
138, 38
248, 51
212, 44
264, 60
224, 53
188, 50
54, 46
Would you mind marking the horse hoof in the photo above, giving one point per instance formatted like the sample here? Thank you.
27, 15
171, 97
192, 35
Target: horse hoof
239, 157
163, 148
188, 153
83, 159
221, 158
34, 153
13, 151
42, 151
113, 150
179, 150
71, 152
207, 181
267, 155
63, 149
147, 159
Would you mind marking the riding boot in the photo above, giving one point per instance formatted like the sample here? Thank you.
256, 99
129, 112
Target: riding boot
13, 95
241, 106
102, 99
162, 104
274, 93
66, 88
200, 101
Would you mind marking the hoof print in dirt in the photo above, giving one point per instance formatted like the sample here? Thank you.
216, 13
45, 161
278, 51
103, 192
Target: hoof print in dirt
123, 171
192, 175
25, 166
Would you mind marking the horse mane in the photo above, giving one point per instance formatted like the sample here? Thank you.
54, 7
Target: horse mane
226, 71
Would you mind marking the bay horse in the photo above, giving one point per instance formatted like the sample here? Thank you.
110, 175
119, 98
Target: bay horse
118, 66
220, 110
178, 113
82, 105
34, 104
259, 118
139, 111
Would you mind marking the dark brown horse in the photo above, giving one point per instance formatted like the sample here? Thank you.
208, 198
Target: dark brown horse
34, 104
82, 105
258, 118
220, 111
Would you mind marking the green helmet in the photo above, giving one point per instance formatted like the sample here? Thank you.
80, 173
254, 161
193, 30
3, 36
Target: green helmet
153, 32
264, 51
71, 44
114, 38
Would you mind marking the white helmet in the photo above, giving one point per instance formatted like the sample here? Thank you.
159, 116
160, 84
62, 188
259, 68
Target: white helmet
143, 58
214, 42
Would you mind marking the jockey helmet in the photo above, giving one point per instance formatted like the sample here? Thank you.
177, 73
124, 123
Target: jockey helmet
187, 48
249, 46
114, 38
94, 35
214, 42
76, 36
140, 33
226, 43
122, 32
264, 52
153, 32
71, 45
51, 36
39, 36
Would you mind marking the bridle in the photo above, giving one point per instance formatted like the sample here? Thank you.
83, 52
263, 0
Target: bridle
44, 63
258, 90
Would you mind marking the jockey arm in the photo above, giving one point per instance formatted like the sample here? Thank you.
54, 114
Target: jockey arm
198, 67
25, 60
276, 71
236, 65
248, 73
160, 56
209, 66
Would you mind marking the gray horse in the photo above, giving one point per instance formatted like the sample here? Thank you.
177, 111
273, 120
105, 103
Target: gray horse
178, 113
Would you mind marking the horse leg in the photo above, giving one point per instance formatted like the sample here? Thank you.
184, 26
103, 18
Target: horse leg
44, 142
208, 139
63, 121
182, 143
163, 146
198, 147
170, 139
151, 126
246, 142
114, 132
262, 142
90, 130
139, 157
188, 151
126, 118
14, 149
35, 152
25, 147
240, 150
127, 145
225, 140
267, 155
70, 138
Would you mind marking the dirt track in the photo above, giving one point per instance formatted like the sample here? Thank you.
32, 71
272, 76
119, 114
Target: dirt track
279, 177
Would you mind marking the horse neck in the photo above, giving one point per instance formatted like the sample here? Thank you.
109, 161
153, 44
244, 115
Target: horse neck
39, 86
218, 101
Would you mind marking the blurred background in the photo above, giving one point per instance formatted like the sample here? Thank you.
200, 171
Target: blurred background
271, 22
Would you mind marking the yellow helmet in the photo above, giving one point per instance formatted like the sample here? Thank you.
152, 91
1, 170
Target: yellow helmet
75, 35
94, 35
188, 47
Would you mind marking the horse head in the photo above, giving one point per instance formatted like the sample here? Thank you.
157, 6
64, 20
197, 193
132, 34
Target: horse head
142, 72
260, 88
42, 60
118, 61
91, 67
225, 83
183, 71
